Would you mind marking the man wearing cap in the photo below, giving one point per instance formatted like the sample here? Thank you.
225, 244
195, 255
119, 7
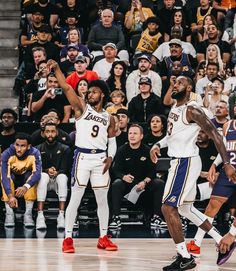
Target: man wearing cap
144, 70
104, 32
176, 54
67, 66
164, 49
146, 103
81, 72
29, 31
43, 40
50, 11
103, 66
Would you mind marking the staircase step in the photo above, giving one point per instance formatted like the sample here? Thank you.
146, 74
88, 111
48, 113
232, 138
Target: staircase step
6, 92
13, 23
7, 81
9, 5
9, 102
9, 43
5, 33
6, 52
8, 72
10, 13
9, 62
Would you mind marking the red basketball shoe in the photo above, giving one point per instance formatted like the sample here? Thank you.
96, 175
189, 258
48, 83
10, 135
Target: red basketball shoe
105, 243
193, 249
68, 246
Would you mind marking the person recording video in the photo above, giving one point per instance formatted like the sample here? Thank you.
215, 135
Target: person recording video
51, 97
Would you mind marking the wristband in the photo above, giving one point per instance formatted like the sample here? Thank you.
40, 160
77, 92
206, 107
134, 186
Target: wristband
232, 230
27, 185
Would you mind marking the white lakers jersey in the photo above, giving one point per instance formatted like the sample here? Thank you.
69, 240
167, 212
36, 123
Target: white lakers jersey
182, 135
91, 129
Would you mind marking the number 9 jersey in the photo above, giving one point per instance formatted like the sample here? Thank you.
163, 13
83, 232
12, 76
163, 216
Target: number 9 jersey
92, 129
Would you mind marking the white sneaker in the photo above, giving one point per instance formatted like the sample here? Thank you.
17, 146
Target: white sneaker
9, 220
40, 222
61, 221
28, 220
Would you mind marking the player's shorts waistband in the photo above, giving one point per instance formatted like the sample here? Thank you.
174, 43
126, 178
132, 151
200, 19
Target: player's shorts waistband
92, 151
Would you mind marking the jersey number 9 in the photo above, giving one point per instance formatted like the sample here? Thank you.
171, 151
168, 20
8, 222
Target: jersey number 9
95, 131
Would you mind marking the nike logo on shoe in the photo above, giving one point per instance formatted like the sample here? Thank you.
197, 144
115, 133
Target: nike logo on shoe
186, 264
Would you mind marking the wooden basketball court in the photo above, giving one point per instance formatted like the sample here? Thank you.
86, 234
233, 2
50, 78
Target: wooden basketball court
133, 255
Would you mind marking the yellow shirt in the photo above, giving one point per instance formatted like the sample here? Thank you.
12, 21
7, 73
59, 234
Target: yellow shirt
200, 17
148, 43
137, 24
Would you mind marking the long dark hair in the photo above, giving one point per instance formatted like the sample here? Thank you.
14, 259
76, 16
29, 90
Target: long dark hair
111, 79
183, 23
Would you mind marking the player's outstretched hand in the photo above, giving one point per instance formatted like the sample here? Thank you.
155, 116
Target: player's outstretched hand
154, 153
52, 64
230, 172
107, 164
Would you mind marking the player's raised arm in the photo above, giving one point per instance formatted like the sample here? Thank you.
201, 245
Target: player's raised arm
195, 114
76, 102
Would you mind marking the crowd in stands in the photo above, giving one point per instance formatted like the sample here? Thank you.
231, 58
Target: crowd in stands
138, 48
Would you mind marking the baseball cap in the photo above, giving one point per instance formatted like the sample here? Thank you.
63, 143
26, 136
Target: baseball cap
72, 45
109, 44
36, 10
217, 78
145, 80
176, 41
45, 28
153, 19
81, 59
144, 57
123, 111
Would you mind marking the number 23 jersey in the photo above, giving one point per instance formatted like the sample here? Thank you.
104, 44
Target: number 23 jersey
91, 129
182, 135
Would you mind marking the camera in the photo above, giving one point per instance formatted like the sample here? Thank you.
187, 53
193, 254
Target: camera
56, 91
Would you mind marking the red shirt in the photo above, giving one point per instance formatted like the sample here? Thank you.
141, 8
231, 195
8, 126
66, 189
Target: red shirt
74, 78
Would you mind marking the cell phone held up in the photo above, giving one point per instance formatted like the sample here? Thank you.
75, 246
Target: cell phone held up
56, 91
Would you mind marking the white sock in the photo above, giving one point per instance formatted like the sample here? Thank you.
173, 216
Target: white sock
201, 233
215, 234
103, 210
9, 210
61, 212
29, 207
182, 250
71, 211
